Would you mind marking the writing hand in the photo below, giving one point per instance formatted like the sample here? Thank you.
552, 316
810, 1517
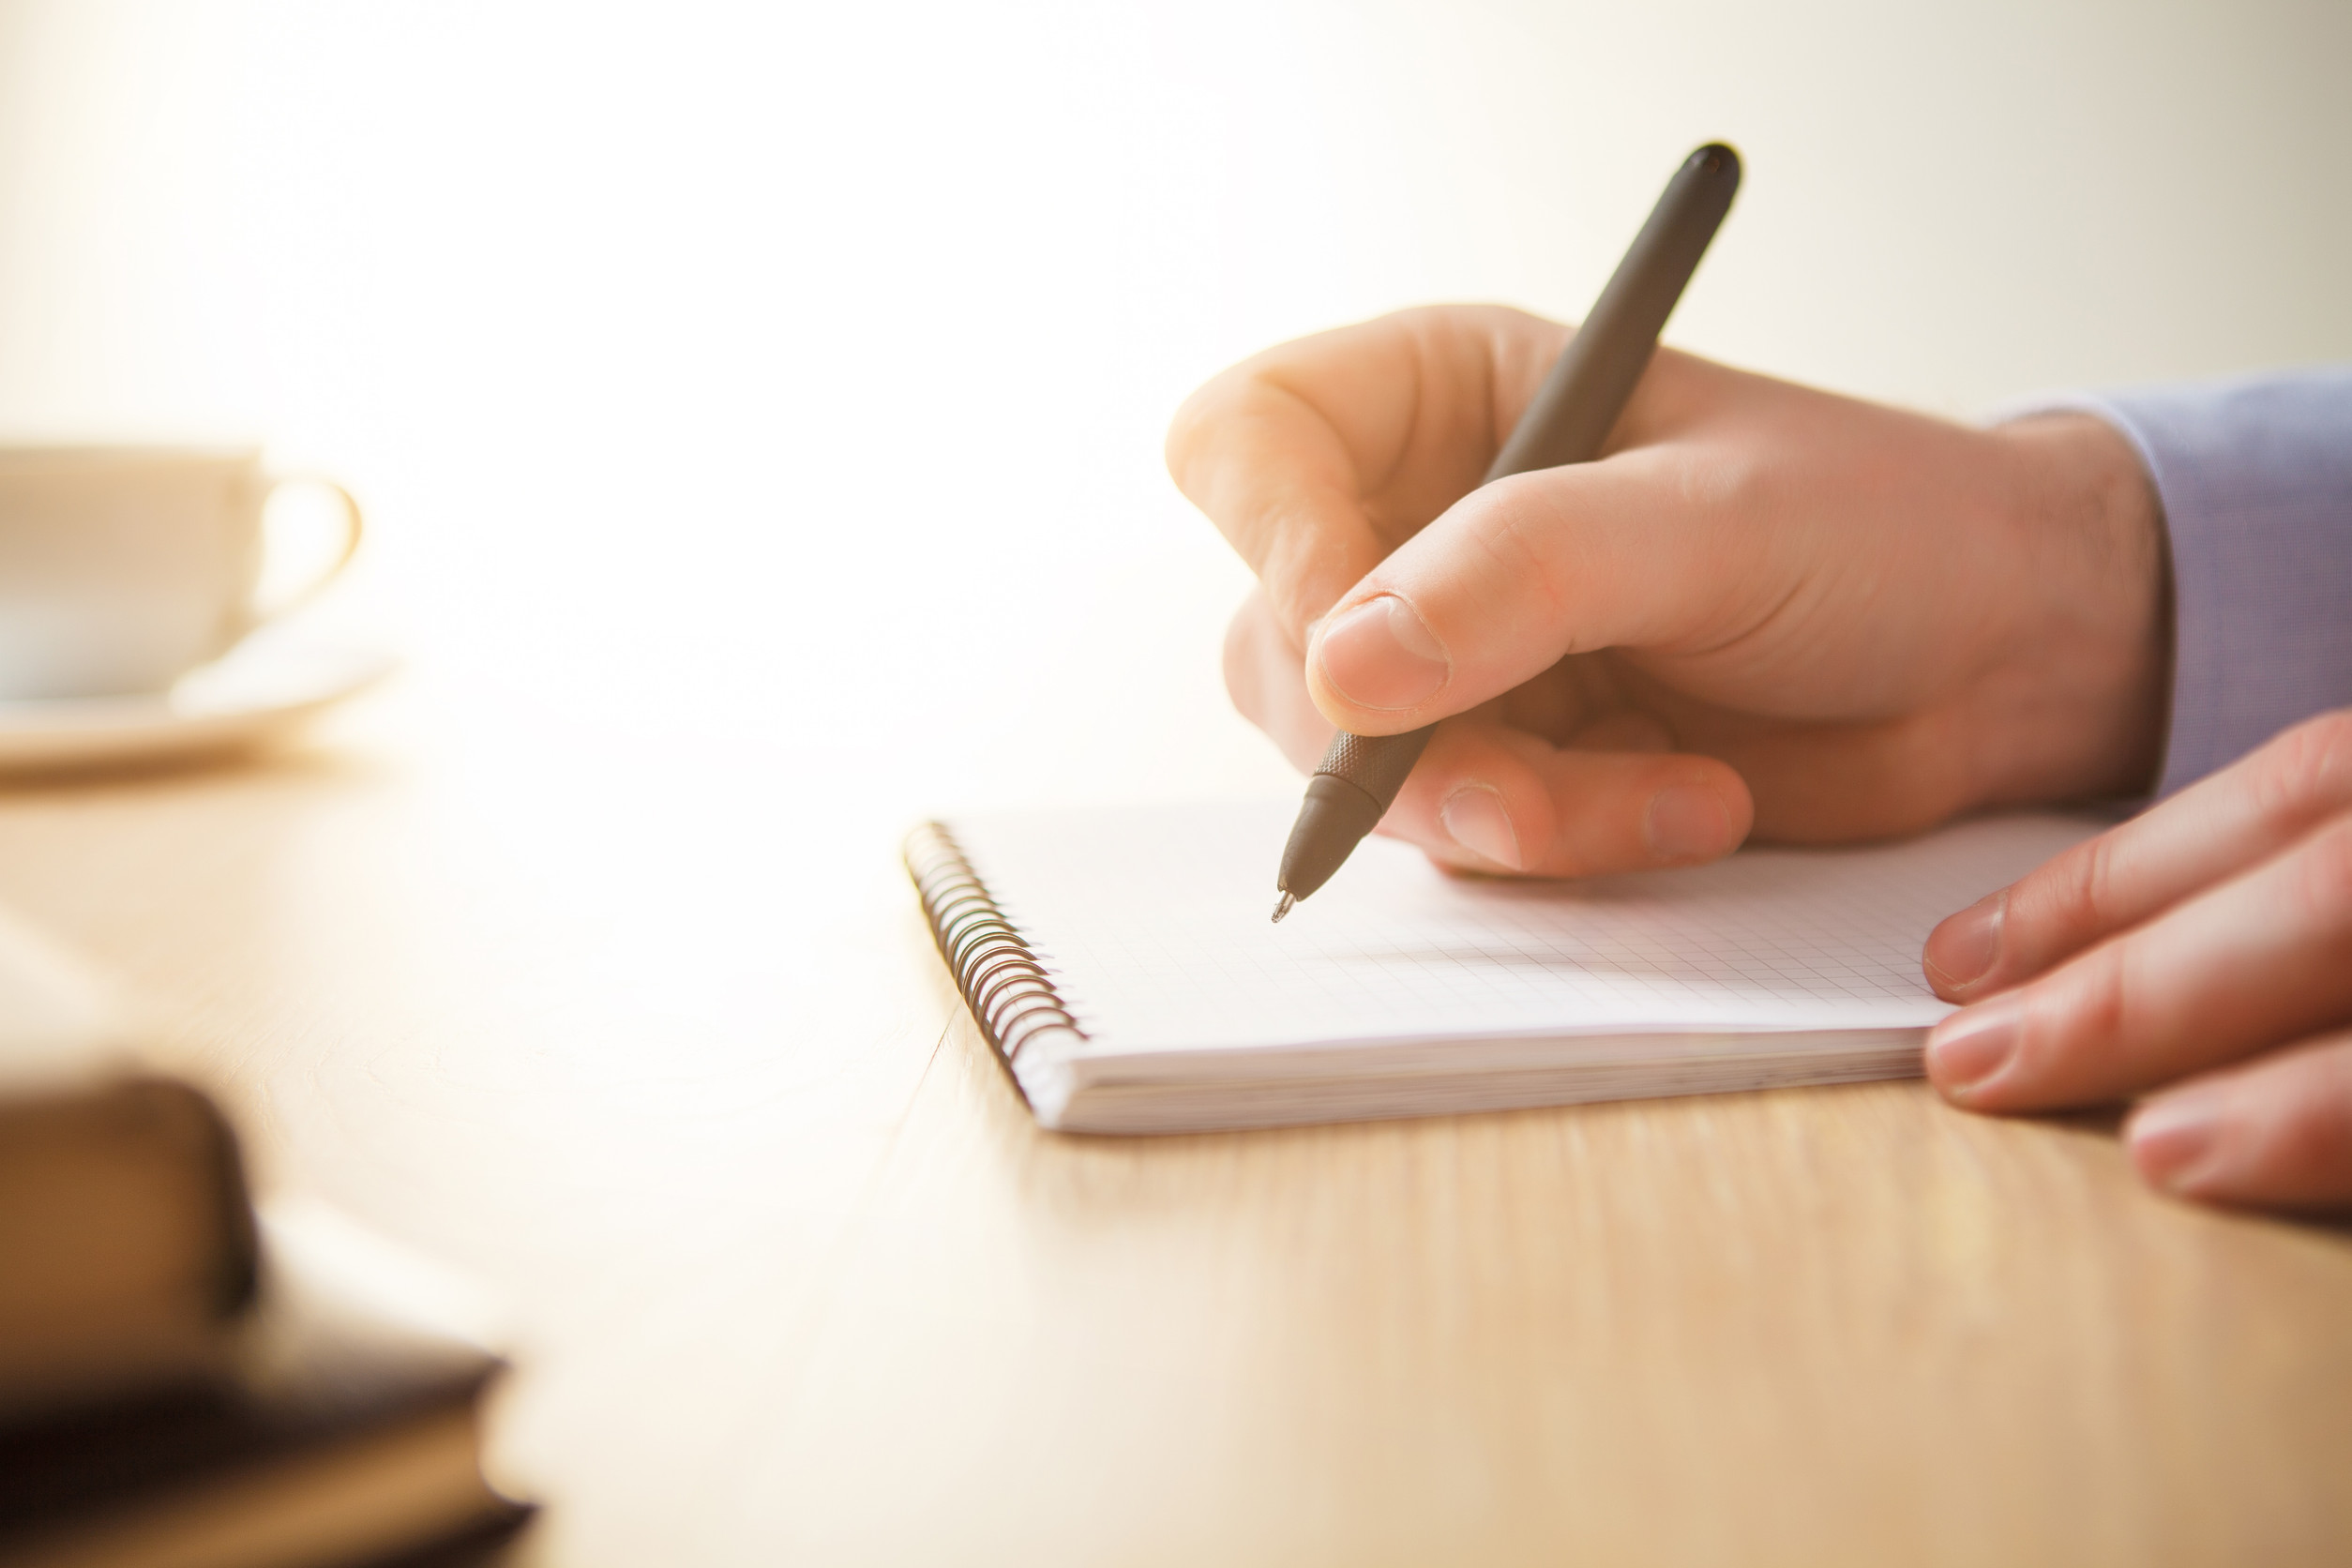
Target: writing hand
2206, 946
1763, 607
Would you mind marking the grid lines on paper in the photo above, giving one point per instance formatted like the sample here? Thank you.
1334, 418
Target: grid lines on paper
1156, 926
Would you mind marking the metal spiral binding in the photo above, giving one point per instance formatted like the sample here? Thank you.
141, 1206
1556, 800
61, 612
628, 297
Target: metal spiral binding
1010, 993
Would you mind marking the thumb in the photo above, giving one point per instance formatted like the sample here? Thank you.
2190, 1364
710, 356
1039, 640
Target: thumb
1514, 576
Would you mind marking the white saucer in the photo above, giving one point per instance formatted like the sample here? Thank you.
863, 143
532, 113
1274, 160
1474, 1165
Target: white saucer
262, 690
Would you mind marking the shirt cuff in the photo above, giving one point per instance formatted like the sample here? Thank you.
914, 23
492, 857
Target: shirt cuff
2254, 480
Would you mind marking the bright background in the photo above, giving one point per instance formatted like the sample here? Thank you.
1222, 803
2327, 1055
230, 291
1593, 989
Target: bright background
779, 388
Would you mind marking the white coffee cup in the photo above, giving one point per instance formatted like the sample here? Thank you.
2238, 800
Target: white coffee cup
124, 567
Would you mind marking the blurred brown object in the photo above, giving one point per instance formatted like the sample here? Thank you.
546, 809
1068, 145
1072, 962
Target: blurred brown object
183, 1384
345, 1429
128, 1239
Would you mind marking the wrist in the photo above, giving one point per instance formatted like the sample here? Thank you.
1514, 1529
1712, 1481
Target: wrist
2086, 683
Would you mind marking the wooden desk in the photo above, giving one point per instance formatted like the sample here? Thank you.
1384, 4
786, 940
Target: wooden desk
667, 1060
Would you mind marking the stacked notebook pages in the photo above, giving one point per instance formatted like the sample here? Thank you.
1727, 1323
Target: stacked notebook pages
1122, 966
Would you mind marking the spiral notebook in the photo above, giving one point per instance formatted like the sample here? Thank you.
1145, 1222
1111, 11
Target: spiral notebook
1124, 968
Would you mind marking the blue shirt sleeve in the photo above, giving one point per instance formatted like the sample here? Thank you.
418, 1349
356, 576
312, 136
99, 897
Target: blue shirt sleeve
2254, 478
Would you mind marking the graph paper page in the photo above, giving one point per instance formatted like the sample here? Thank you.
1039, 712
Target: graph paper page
1154, 922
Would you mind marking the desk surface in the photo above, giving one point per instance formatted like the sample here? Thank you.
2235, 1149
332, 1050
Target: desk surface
797, 1280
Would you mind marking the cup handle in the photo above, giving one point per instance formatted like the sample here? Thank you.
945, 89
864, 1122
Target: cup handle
352, 527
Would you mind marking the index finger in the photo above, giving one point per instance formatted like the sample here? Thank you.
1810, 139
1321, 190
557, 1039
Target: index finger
2220, 825
1317, 458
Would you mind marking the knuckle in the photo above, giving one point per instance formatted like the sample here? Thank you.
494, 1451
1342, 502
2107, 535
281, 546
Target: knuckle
1300, 589
2305, 1127
2323, 874
2071, 900
1176, 447
1187, 436
2090, 878
2072, 1028
1726, 480
2309, 766
2327, 1129
2102, 1006
1529, 542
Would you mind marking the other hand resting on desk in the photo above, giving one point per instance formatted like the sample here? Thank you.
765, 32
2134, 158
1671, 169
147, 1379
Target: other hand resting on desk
1764, 609
2209, 939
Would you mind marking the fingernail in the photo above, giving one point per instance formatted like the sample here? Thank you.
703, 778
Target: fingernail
1474, 815
1960, 951
2171, 1138
1379, 655
1686, 822
1971, 1047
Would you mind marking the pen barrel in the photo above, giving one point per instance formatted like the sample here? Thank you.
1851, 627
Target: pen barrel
1579, 402
1568, 421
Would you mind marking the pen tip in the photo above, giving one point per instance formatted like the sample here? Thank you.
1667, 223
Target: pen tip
1283, 908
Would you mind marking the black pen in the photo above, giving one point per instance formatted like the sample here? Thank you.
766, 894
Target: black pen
1571, 418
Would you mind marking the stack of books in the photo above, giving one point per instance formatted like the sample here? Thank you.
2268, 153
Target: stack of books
185, 1382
